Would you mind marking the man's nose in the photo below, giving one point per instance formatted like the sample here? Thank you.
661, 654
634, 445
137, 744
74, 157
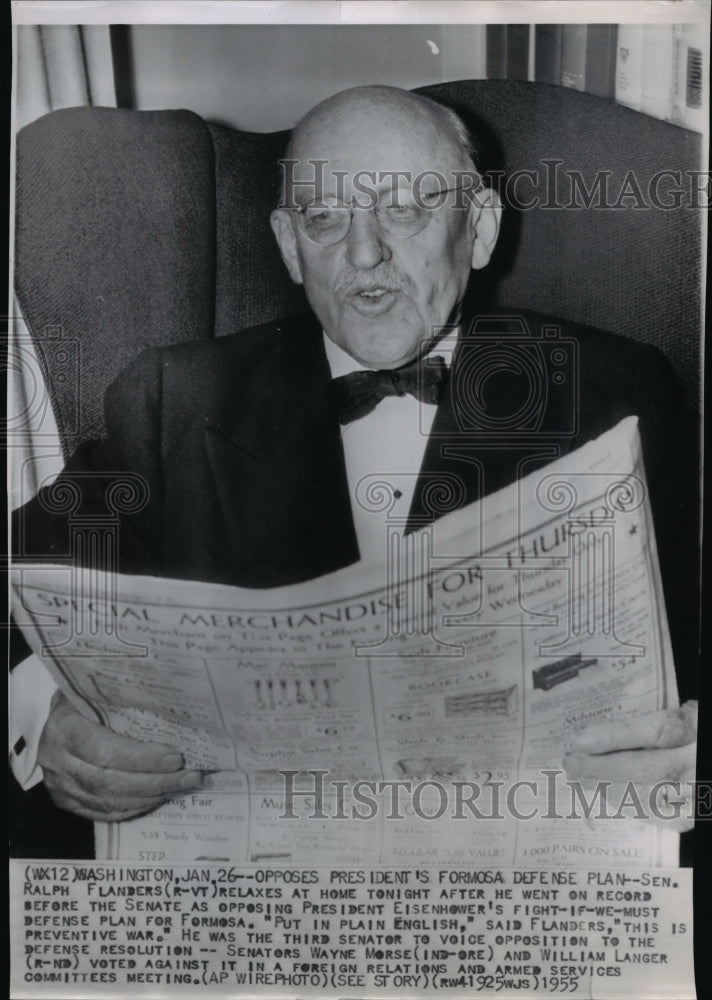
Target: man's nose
366, 245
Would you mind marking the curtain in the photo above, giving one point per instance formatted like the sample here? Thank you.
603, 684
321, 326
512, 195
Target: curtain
62, 66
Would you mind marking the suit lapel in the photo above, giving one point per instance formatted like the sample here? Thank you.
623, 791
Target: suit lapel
279, 470
462, 463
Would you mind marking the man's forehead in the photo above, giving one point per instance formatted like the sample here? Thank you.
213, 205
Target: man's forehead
381, 130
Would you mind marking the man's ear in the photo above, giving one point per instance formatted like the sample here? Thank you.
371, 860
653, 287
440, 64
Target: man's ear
286, 237
486, 218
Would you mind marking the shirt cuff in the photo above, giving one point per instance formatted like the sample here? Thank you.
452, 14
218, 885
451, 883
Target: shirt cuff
31, 691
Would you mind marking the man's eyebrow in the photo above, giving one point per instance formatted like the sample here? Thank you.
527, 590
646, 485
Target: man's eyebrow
379, 185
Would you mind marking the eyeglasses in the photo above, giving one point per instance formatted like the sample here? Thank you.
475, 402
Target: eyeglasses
327, 221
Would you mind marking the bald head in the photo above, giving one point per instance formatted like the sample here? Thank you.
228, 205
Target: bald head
363, 108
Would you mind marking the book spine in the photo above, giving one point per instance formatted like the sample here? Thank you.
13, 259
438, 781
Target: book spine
601, 60
531, 76
657, 85
496, 51
690, 73
547, 53
629, 66
573, 56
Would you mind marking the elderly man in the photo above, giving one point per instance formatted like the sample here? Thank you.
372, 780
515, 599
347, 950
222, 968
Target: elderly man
252, 445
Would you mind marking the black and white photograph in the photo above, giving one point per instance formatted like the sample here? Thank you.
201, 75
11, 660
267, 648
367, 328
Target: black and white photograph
354, 436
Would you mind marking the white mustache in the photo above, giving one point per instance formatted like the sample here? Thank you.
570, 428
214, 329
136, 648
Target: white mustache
354, 282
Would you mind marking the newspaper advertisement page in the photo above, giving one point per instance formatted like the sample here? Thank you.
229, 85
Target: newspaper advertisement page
477, 667
430, 707
368, 701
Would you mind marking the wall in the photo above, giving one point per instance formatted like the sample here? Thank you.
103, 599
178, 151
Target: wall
263, 78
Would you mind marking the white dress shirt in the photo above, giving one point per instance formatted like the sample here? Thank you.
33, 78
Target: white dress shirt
387, 443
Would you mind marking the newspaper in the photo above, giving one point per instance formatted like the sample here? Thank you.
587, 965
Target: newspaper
429, 700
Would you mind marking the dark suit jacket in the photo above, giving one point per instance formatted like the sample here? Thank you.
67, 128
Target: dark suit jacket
239, 445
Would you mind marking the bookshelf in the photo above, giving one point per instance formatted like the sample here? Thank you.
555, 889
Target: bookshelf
661, 70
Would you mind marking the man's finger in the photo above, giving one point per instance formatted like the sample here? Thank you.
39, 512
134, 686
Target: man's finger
101, 810
93, 743
632, 765
671, 727
667, 804
112, 784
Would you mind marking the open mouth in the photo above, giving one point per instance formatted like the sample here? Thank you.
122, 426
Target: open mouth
373, 300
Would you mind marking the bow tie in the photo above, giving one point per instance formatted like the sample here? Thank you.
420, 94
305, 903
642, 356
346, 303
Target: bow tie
359, 393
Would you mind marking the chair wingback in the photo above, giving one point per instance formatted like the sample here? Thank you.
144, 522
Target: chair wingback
115, 246
634, 270
252, 285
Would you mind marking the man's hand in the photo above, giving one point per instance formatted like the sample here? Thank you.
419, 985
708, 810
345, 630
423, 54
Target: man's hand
645, 750
100, 775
